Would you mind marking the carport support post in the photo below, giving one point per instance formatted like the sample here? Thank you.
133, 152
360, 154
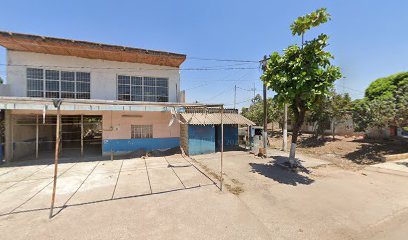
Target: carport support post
222, 146
82, 135
36, 136
57, 104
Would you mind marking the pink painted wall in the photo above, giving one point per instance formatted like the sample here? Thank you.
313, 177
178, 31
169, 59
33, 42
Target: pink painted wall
117, 125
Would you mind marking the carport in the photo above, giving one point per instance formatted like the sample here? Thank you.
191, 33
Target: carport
56, 106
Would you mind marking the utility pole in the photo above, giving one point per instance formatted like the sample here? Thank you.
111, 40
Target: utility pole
285, 128
265, 127
254, 91
235, 95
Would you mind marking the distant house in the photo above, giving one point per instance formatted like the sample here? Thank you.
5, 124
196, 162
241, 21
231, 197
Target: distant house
341, 127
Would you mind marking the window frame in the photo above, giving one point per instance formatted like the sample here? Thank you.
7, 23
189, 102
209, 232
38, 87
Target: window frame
143, 95
136, 131
44, 92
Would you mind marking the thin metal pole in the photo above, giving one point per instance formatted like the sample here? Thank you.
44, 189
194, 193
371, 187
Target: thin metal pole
265, 115
222, 146
82, 135
235, 95
12, 136
54, 188
36, 136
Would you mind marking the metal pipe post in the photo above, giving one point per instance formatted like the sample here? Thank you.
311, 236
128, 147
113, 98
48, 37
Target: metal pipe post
36, 136
82, 135
222, 146
57, 132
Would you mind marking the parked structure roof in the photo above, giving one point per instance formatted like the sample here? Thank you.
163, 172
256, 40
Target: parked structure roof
215, 118
84, 49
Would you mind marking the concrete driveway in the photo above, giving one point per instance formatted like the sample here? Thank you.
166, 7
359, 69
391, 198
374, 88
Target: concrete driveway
27, 187
167, 198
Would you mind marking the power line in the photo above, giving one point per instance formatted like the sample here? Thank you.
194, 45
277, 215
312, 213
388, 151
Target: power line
222, 60
132, 69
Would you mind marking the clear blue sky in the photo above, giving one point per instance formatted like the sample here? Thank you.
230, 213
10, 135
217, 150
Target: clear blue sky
368, 37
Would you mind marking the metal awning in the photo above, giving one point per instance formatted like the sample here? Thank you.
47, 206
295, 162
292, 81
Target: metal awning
29, 103
215, 118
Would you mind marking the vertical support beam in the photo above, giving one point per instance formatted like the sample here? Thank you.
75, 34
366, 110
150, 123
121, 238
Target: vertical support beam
235, 95
222, 146
265, 115
12, 136
57, 143
36, 136
82, 135
7, 135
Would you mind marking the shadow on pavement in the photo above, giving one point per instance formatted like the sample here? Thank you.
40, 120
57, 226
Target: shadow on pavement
277, 171
402, 163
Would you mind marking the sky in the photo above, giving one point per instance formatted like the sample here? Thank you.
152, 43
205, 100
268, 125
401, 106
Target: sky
367, 37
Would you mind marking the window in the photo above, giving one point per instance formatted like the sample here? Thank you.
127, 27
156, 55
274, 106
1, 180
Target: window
150, 89
58, 84
141, 131
35, 82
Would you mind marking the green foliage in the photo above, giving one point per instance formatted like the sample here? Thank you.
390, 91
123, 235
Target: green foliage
302, 76
332, 108
1, 80
385, 103
255, 111
314, 19
373, 113
386, 87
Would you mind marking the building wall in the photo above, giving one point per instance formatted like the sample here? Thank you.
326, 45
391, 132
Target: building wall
201, 139
103, 73
230, 136
117, 131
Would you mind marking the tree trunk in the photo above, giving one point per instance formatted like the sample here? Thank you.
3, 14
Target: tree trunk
299, 117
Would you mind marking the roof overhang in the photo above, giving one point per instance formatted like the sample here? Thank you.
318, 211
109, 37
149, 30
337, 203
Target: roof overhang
83, 49
29, 103
215, 119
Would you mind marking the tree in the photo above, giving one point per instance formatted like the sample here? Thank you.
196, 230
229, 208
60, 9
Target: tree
301, 76
1, 80
329, 111
385, 103
255, 111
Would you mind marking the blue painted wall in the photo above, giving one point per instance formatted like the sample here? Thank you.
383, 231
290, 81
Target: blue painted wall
201, 139
129, 145
230, 136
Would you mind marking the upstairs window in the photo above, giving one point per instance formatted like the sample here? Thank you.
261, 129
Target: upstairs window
58, 84
149, 89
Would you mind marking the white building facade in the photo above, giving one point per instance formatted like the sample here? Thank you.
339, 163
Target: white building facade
98, 85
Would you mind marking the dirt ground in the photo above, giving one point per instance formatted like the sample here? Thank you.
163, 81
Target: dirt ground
348, 152
172, 197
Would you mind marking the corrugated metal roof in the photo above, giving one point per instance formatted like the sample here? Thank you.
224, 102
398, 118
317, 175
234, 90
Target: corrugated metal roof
215, 118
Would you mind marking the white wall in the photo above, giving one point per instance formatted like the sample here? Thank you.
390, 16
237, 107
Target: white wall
103, 80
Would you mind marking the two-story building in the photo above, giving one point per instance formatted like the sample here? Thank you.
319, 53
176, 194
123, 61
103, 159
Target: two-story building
115, 99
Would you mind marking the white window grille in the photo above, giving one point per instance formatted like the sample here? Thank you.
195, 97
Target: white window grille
149, 89
58, 84
141, 131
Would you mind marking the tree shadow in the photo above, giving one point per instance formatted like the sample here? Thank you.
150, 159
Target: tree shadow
279, 172
402, 163
313, 141
374, 151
